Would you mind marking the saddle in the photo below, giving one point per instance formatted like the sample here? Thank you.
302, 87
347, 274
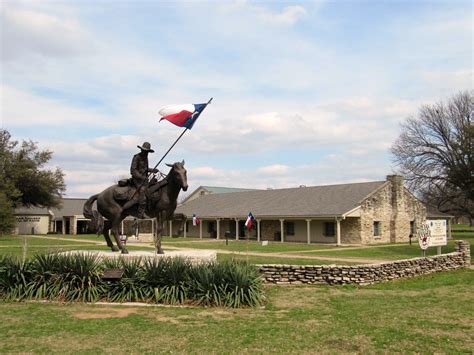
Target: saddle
124, 193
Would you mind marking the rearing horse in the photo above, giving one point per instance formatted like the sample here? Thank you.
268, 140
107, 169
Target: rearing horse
161, 204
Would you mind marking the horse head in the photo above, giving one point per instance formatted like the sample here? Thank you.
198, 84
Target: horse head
178, 175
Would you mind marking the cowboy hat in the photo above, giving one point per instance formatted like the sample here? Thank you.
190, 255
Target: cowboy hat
146, 147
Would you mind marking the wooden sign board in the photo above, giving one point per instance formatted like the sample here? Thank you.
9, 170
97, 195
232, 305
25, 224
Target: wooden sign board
112, 274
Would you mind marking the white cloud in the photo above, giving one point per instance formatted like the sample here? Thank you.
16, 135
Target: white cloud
20, 108
26, 32
288, 16
276, 169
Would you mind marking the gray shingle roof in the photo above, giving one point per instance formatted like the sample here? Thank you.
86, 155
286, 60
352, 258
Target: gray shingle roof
224, 190
70, 207
331, 200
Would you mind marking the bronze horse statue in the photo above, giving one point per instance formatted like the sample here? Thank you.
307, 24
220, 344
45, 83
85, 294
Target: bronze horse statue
161, 204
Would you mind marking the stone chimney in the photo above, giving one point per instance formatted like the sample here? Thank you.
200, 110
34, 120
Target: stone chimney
397, 191
399, 219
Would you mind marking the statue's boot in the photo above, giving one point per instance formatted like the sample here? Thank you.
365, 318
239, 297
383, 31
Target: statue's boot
130, 203
141, 210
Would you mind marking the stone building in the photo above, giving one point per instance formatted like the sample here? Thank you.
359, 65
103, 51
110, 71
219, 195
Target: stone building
358, 213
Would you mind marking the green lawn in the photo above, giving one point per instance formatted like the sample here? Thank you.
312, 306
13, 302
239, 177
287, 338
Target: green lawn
31, 245
276, 260
430, 314
462, 227
243, 245
299, 252
388, 252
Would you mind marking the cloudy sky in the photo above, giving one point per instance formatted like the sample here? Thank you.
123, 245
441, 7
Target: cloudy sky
308, 92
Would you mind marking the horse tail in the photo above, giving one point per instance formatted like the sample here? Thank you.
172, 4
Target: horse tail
96, 223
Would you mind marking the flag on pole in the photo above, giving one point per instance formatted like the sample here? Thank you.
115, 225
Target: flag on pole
196, 220
249, 221
182, 115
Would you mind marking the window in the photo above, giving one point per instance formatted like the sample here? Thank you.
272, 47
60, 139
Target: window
376, 229
329, 229
412, 228
290, 228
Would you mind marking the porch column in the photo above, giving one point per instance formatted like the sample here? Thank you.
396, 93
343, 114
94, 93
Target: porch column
218, 228
258, 230
171, 228
308, 230
449, 229
64, 226
200, 229
237, 229
185, 226
282, 229
338, 231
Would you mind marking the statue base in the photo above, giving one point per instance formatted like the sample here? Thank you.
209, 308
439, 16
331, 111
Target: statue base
195, 256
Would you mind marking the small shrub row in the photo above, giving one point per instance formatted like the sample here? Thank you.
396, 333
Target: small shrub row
231, 283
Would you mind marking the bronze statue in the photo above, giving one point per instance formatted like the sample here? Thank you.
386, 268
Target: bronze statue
139, 170
119, 201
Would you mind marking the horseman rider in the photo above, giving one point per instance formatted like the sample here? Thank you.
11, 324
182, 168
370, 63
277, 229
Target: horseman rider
139, 170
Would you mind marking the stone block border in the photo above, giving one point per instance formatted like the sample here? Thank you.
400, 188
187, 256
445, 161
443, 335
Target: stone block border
366, 274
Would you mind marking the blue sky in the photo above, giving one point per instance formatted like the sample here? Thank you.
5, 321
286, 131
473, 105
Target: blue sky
308, 92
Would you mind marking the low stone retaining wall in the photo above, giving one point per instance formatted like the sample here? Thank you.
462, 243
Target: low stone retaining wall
367, 274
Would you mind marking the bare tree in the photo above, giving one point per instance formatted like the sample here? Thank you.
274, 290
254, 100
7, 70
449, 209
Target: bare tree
435, 152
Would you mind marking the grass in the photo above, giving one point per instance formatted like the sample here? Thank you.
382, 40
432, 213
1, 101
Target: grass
429, 314
388, 252
243, 245
295, 253
276, 260
31, 245
462, 227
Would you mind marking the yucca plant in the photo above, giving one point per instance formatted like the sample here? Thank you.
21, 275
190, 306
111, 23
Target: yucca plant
243, 284
15, 278
167, 279
131, 287
206, 282
69, 277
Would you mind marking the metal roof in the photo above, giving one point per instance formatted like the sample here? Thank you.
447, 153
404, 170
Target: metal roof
314, 201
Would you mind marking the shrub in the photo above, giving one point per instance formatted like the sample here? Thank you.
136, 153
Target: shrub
15, 278
167, 279
131, 287
66, 277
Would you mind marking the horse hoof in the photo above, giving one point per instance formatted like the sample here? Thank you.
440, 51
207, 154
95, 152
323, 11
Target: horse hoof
114, 248
124, 251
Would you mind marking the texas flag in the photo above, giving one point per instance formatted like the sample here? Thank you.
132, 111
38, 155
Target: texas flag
196, 220
182, 115
249, 221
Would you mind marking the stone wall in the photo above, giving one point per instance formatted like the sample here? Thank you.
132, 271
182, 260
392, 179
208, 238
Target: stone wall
367, 274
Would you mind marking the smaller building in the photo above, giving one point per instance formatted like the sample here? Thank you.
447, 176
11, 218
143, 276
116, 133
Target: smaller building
68, 219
